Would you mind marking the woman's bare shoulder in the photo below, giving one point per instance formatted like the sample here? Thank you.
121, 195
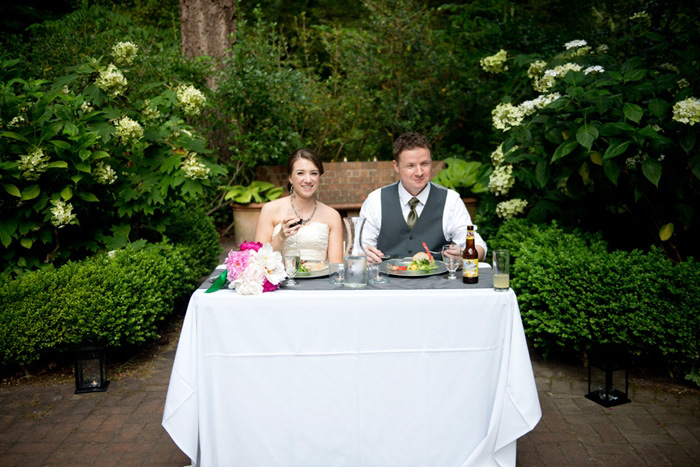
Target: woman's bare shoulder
329, 213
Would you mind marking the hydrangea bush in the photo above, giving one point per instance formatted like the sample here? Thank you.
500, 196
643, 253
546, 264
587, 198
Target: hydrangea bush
608, 133
89, 153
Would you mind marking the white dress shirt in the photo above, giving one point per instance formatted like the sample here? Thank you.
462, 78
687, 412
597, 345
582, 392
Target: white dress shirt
455, 217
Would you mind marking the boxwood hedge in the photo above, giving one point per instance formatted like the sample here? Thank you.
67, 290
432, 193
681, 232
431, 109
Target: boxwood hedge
574, 293
116, 298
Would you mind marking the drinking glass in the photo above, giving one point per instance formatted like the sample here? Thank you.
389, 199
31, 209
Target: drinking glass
291, 264
336, 273
293, 238
377, 273
452, 258
501, 270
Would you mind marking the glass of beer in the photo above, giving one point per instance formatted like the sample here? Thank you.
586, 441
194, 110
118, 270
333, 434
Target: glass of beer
501, 270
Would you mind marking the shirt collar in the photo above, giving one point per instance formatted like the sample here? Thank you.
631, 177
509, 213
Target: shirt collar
405, 196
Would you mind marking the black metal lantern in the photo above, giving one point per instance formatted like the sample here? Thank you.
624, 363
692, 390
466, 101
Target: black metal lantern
90, 370
607, 366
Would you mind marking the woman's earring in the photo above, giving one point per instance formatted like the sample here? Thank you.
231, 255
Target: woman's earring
318, 194
291, 191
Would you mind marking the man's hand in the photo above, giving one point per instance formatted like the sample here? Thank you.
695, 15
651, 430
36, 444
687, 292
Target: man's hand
374, 255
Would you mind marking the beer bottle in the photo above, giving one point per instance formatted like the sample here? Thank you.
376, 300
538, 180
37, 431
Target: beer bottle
470, 259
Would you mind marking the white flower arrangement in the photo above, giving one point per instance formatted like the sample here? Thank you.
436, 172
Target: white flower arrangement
254, 269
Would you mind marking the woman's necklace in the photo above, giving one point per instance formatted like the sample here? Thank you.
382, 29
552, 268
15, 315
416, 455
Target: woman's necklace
303, 221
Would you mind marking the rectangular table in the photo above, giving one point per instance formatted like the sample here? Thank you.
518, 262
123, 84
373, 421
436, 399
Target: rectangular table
374, 377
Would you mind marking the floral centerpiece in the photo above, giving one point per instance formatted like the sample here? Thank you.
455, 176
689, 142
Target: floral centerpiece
253, 269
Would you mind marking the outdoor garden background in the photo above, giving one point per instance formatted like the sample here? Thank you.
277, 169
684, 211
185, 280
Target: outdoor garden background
574, 124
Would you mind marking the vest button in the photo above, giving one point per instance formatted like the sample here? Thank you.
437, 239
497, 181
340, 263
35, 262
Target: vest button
410, 252
410, 237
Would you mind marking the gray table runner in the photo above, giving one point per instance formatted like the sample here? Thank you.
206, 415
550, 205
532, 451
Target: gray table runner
437, 281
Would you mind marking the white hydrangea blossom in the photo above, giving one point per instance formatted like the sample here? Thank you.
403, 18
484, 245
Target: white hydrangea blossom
33, 164
683, 83
191, 99
86, 107
501, 180
104, 173
576, 43
532, 106
495, 63
506, 116
632, 162
536, 68
62, 213
594, 69
148, 112
510, 208
129, 130
640, 15
124, 52
687, 111
193, 168
580, 51
602, 48
111, 81
17, 121
550, 76
670, 67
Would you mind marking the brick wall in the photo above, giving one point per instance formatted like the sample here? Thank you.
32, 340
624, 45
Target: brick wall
344, 185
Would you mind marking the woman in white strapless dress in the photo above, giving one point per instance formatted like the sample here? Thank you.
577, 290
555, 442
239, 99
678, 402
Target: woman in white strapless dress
300, 221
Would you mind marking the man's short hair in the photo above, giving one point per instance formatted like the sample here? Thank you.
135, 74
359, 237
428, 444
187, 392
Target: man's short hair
408, 141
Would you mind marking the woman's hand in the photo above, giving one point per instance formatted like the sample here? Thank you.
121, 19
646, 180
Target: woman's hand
290, 226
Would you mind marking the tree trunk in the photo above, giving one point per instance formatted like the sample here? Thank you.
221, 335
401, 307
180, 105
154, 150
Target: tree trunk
205, 26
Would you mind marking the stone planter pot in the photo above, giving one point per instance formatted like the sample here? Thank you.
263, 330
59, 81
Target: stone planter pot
472, 204
245, 220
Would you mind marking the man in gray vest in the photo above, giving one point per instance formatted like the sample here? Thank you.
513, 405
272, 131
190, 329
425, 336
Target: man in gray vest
403, 215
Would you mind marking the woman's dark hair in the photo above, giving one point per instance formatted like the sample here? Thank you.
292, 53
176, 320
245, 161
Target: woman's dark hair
307, 154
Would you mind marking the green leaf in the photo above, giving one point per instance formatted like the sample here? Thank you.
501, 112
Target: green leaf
615, 149
30, 192
89, 197
83, 167
687, 140
612, 171
67, 193
665, 232
51, 130
13, 190
5, 236
84, 154
631, 64
564, 149
60, 144
100, 155
10, 134
77, 178
695, 165
658, 107
632, 112
615, 75
541, 173
635, 75
586, 134
26, 242
651, 168
57, 165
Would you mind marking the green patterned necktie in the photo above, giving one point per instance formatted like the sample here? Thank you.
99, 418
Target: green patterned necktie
413, 215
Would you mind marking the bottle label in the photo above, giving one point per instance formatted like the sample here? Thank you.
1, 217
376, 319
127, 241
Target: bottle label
470, 267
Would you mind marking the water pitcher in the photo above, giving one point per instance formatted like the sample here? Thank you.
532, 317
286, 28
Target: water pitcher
354, 256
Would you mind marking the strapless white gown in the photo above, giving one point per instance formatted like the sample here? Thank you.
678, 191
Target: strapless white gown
311, 240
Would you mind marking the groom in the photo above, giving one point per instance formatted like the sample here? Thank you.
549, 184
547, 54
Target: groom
403, 215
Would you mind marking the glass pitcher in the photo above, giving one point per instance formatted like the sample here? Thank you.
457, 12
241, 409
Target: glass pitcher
354, 255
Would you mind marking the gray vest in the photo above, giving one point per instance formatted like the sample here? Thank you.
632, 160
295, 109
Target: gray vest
396, 239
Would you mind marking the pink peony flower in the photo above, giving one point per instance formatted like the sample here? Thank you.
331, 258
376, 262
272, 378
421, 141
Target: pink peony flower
236, 263
250, 246
269, 286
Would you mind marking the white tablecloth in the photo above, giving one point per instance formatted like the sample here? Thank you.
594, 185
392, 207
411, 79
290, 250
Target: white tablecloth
352, 378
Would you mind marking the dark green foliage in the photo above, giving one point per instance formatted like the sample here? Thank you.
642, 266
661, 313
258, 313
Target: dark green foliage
195, 231
117, 299
573, 293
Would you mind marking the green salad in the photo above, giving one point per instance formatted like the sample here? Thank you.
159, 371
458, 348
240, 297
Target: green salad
422, 265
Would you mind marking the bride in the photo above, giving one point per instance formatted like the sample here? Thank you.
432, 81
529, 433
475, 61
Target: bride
300, 221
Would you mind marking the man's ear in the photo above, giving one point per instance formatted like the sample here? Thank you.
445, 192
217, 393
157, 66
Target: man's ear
396, 166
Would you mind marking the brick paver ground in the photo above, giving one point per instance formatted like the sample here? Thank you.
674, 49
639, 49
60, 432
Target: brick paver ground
52, 426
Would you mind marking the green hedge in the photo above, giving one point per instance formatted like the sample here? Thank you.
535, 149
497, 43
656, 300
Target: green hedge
573, 292
118, 298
